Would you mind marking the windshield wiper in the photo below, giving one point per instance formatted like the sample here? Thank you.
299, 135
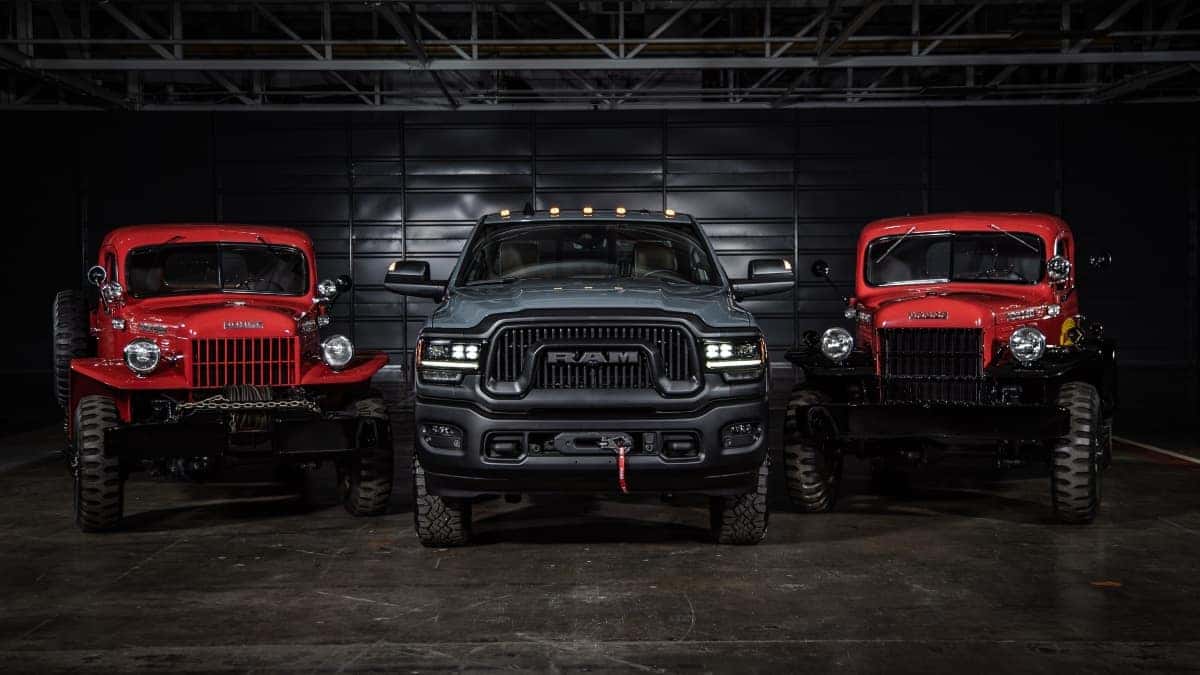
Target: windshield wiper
1024, 243
894, 245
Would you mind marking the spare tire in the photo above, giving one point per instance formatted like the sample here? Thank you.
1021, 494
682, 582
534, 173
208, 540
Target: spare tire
71, 340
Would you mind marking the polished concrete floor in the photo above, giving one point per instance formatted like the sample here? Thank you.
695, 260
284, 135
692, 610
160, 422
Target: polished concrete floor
962, 572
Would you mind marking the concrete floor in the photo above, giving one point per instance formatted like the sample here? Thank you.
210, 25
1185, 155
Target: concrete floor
963, 572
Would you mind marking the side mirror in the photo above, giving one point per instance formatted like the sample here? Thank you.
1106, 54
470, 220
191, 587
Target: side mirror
1100, 260
411, 277
820, 269
344, 283
96, 275
766, 277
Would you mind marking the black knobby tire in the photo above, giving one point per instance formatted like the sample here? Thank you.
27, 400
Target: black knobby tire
813, 469
366, 478
1075, 483
71, 340
99, 486
440, 521
742, 519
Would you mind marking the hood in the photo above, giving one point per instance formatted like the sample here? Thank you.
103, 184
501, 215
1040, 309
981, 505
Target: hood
227, 318
945, 310
468, 307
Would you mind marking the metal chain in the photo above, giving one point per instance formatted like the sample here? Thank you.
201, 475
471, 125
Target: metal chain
220, 403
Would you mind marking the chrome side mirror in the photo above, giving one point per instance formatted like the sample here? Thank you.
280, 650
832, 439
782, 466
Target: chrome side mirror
1058, 269
96, 275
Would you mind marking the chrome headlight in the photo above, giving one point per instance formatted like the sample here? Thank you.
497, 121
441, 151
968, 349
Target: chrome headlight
453, 354
837, 343
142, 356
1027, 344
733, 354
336, 351
327, 288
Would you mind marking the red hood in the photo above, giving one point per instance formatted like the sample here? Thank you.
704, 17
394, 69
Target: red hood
946, 310
226, 317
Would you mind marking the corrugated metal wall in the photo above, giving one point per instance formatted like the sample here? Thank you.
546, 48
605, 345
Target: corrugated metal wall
372, 188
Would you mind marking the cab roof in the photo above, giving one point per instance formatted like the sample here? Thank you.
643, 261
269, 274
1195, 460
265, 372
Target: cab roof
575, 215
1046, 226
133, 236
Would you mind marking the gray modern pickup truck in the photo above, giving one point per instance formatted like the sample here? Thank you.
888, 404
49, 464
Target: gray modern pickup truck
596, 352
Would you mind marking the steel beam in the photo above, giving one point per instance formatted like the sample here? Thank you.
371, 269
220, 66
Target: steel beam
410, 38
580, 29
663, 27
665, 63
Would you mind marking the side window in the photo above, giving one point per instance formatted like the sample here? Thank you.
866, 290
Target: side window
1060, 247
110, 265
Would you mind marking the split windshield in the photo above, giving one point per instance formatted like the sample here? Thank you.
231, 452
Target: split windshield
175, 269
993, 257
589, 250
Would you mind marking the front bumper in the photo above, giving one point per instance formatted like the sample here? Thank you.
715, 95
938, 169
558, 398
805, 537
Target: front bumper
465, 471
286, 439
860, 422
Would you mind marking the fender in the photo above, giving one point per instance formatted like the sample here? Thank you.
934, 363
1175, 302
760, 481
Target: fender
361, 369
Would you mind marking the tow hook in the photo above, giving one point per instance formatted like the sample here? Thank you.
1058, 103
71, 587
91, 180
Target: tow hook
618, 443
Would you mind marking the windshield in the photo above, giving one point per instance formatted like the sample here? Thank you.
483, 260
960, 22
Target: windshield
999, 257
175, 269
589, 250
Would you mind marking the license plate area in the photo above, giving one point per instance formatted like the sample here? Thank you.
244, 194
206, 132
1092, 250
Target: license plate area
515, 446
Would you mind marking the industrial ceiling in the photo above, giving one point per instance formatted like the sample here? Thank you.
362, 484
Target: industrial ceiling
356, 55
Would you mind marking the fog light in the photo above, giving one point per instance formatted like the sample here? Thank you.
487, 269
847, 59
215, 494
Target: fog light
435, 376
741, 434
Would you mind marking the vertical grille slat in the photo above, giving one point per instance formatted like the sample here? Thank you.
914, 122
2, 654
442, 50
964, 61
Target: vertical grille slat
263, 362
673, 344
932, 365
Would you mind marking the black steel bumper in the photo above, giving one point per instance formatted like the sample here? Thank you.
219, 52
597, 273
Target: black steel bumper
291, 440
980, 423
465, 471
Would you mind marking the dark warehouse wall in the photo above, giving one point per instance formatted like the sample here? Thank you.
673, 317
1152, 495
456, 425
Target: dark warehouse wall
371, 188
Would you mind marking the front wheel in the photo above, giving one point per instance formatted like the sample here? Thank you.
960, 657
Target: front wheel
99, 486
1078, 456
365, 480
742, 519
812, 466
440, 521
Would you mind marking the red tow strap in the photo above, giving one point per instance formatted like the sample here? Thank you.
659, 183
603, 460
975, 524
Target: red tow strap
621, 468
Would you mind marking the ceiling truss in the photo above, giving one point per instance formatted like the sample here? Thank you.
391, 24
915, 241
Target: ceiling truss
593, 54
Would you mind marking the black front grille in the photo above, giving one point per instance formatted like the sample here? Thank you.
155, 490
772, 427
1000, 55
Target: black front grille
932, 365
673, 344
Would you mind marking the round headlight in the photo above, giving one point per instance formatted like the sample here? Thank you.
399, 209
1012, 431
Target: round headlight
142, 356
1027, 344
1058, 268
336, 351
836, 343
327, 288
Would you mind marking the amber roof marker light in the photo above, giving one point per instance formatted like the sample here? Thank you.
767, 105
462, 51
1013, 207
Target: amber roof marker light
553, 211
670, 213
620, 210
587, 211
504, 213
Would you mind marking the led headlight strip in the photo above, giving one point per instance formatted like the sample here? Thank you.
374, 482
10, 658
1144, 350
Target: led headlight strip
462, 355
733, 354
